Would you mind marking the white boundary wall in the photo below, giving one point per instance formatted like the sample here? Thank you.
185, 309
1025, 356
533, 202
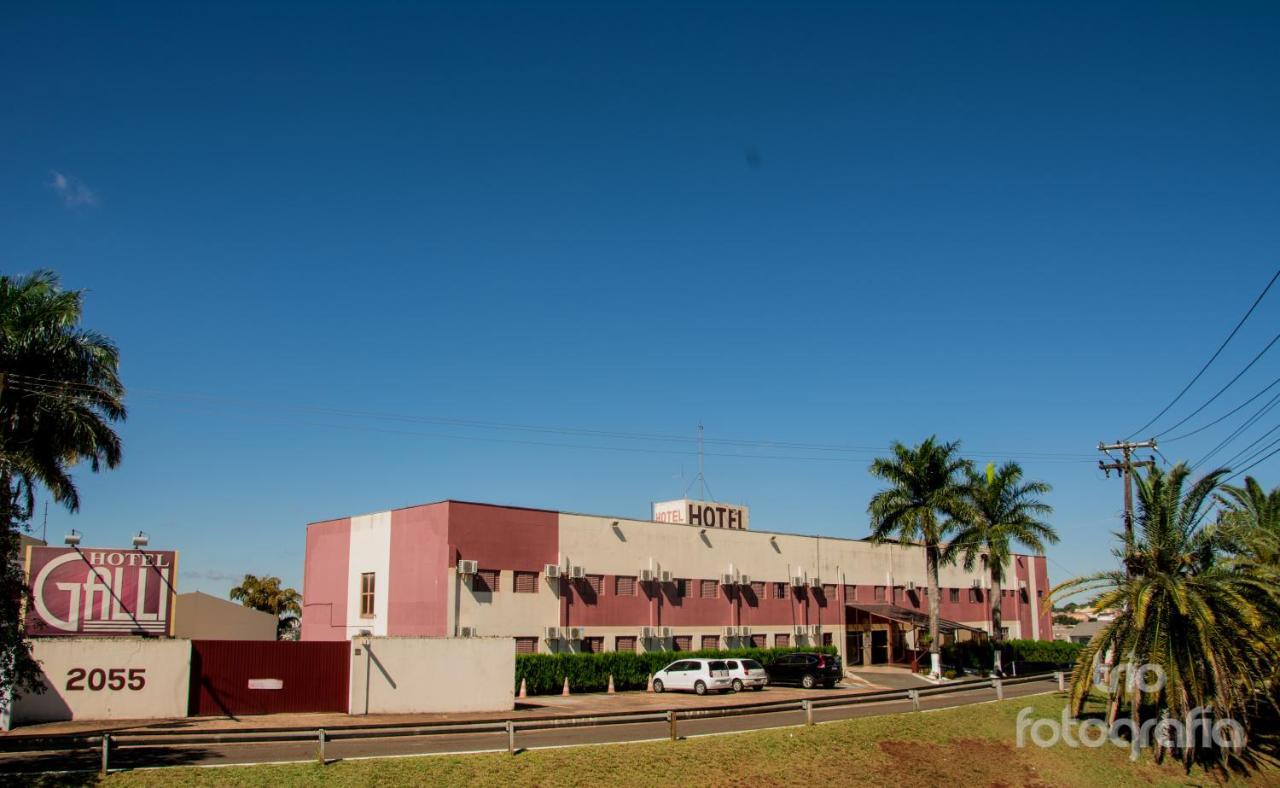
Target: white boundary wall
122, 678
416, 675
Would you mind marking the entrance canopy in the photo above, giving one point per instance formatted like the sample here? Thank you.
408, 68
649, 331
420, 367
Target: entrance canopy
912, 618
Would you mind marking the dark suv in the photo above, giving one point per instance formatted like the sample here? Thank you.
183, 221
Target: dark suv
806, 669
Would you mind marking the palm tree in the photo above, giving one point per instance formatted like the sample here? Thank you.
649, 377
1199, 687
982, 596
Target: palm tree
265, 594
1002, 510
60, 391
1186, 605
1250, 520
925, 495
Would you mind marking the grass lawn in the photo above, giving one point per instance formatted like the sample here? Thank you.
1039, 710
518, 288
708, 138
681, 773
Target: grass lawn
969, 746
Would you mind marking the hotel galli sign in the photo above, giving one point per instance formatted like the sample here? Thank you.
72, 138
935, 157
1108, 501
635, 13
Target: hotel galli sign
100, 592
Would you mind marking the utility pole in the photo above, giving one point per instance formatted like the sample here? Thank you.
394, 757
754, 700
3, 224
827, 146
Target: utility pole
1125, 466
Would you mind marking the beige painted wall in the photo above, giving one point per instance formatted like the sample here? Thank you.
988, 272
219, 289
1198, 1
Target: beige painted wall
506, 613
164, 665
418, 675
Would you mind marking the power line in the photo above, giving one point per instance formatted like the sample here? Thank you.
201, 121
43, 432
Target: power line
1249, 422
1247, 468
1246, 459
1222, 390
1212, 358
1223, 417
49, 388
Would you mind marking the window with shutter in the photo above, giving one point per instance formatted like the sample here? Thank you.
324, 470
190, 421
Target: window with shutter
879, 593
709, 589
826, 638
829, 591
597, 583
526, 645
682, 587
779, 590
954, 594
851, 593
757, 588
624, 586
526, 582
757, 641
781, 641
711, 642
592, 645
682, 643
624, 643
485, 580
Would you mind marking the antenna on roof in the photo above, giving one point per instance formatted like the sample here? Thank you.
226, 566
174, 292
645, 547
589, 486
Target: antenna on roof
701, 478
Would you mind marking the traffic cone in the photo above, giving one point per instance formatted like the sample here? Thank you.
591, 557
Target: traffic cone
610, 690
565, 691
524, 691
649, 686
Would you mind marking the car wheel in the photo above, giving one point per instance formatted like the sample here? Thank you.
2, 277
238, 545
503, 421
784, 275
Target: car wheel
809, 681
700, 688
737, 685
657, 685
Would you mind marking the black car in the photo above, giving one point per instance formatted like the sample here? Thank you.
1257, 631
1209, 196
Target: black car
806, 669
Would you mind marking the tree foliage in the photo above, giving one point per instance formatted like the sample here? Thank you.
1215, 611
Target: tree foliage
924, 498
60, 392
267, 594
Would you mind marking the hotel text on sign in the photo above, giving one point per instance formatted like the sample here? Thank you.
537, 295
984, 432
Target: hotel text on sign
99, 591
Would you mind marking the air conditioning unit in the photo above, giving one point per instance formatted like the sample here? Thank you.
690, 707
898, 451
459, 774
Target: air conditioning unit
664, 632
648, 633
577, 572
726, 580
665, 576
551, 570
646, 575
744, 632
573, 633
466, 632
468, 567
731, 632
977, 583
1022, 585
911, 585
745, 580
816, 629
814, 582
800, 630
797, 581
552, 633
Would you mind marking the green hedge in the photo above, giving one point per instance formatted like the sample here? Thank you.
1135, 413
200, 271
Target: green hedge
1029, 654
544, 674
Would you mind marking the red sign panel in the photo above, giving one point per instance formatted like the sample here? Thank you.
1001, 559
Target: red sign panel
95, 591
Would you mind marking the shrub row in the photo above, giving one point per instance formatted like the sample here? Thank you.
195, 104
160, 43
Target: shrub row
1029, 654
544, 674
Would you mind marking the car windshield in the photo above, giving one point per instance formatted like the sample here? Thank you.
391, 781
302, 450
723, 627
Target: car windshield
751, 664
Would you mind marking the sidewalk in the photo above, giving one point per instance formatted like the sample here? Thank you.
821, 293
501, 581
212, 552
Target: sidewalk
532, 707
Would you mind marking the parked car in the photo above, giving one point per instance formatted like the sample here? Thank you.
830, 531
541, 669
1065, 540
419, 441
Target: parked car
745, 673
699, 675
806, 669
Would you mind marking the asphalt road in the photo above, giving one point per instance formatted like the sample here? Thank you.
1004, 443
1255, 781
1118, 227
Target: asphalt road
214, 754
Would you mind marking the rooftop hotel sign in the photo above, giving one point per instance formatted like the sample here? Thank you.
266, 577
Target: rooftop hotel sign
96, 591
708, 514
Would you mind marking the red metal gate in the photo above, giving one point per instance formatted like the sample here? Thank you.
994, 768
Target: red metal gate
234, 677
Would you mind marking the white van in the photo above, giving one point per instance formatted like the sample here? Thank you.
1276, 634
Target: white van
699, 675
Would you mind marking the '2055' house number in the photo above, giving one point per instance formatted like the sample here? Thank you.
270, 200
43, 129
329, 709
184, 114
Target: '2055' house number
114, 679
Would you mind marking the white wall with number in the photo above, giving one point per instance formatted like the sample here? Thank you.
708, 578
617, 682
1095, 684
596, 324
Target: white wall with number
107, 678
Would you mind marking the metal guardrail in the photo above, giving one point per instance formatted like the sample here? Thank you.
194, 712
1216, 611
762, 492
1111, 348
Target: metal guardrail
106, 743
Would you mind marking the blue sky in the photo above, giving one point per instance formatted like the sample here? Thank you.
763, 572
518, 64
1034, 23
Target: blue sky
1024, 226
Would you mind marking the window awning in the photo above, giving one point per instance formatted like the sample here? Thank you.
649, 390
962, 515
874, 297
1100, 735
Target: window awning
911, 618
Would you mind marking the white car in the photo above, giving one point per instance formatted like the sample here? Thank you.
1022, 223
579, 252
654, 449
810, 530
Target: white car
699, 675
745, 673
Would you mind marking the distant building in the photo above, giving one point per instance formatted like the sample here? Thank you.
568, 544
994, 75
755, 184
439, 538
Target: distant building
200, 616
1084, 631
